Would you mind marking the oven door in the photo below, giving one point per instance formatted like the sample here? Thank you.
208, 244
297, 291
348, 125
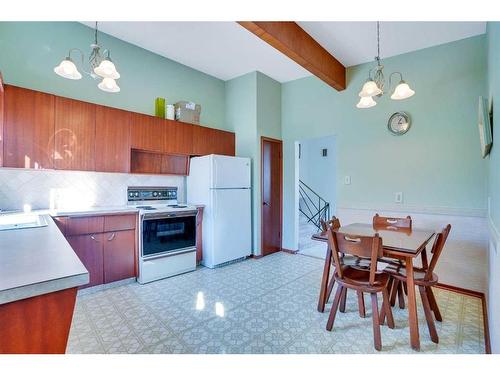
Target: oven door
168, 234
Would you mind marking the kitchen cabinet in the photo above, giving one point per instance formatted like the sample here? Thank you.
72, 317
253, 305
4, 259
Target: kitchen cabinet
74, 135
212, 141
89, 248
147, 133
28, 128
105, 244
119, 255
158, 163
112, 140
41, 130
178, 137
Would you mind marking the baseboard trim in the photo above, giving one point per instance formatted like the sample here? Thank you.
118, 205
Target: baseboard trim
480, 295
408, 209
289, 251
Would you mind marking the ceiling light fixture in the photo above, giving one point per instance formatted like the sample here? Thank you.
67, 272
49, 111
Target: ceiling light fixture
100, 67
374, 85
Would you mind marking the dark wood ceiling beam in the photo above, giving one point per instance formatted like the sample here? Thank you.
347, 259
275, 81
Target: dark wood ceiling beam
291, 40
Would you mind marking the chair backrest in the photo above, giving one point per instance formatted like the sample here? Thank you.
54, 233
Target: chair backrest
391, 222
334, 223
437, 249
361, 246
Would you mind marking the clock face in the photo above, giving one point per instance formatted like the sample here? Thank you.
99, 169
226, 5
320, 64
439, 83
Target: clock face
399, 123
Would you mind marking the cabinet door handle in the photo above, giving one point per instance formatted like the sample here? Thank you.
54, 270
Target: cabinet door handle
93, 238
112, 237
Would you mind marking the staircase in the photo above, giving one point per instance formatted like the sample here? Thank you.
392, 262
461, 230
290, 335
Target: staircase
312, 205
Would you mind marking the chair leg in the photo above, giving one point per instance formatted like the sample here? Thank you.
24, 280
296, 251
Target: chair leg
405, 288
434, 305
401, 296
394, 291
343, 299
361, 305
333, 311
377, 340
386, 309
331, 284
428, 315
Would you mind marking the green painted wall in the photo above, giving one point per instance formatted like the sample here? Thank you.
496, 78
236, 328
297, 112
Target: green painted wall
437, 164
493, 35
494, 94
253, 110
30, 51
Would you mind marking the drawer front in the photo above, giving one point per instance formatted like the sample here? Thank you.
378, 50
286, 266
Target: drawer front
114, 223
84, 225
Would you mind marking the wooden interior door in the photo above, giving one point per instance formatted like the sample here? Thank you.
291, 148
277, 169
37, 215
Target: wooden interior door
271, 195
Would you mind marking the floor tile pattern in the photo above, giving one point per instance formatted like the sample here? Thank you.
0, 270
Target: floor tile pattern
255, 306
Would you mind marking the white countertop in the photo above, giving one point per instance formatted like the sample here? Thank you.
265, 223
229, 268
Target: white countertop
100, 210
36, 261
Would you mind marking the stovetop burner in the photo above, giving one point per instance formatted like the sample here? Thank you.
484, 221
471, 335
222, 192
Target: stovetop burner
147, 208
177, 205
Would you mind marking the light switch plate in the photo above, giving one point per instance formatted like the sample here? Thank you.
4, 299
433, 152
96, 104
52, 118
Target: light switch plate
347, 180
398, 197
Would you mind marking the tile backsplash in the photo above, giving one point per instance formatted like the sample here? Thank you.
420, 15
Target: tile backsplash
72, 189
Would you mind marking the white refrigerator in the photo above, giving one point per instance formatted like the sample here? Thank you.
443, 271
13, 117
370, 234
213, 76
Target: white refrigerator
223, 185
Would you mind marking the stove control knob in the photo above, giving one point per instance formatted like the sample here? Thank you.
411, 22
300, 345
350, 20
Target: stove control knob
136, 194
155, 193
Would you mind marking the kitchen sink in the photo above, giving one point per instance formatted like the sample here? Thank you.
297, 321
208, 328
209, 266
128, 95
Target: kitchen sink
21, 221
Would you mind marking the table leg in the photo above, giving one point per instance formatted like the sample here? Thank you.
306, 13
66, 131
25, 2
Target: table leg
323, 293
412, 305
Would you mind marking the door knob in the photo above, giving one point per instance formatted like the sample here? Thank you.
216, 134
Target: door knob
266, 204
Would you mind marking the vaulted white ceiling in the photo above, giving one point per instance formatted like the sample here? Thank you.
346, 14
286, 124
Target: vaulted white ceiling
226, 50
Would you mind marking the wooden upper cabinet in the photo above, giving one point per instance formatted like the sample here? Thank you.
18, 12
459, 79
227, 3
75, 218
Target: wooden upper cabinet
178, 137
147, 133
212, 141
74, 135
28, 128
112, 140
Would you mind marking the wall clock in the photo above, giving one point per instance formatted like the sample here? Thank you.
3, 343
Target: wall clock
399, 123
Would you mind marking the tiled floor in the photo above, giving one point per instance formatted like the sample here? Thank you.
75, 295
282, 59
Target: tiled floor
256, 306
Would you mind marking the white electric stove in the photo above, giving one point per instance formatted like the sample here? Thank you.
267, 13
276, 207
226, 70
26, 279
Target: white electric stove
167, 236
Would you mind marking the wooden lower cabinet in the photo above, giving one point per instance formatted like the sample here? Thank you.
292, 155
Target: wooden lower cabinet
37, 325
119, 255
106, 245
89, 248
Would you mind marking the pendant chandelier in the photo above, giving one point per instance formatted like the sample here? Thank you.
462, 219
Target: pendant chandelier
374, 85
100, 68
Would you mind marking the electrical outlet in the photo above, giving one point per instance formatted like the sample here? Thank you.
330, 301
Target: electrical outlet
347, 180
398, 197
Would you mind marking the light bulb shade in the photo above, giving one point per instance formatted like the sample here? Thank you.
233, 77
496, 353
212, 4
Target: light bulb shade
366, 102
109, 85
107, 69
370, 88
67, 69
402, 91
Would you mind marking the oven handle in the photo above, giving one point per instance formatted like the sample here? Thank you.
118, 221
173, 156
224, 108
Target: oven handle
168, 216
170, 253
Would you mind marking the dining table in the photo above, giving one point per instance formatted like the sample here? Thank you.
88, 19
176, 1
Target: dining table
400, 244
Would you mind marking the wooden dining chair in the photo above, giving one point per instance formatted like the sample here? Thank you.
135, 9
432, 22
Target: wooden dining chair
361, 280
425, 279
394, 223
334, 224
